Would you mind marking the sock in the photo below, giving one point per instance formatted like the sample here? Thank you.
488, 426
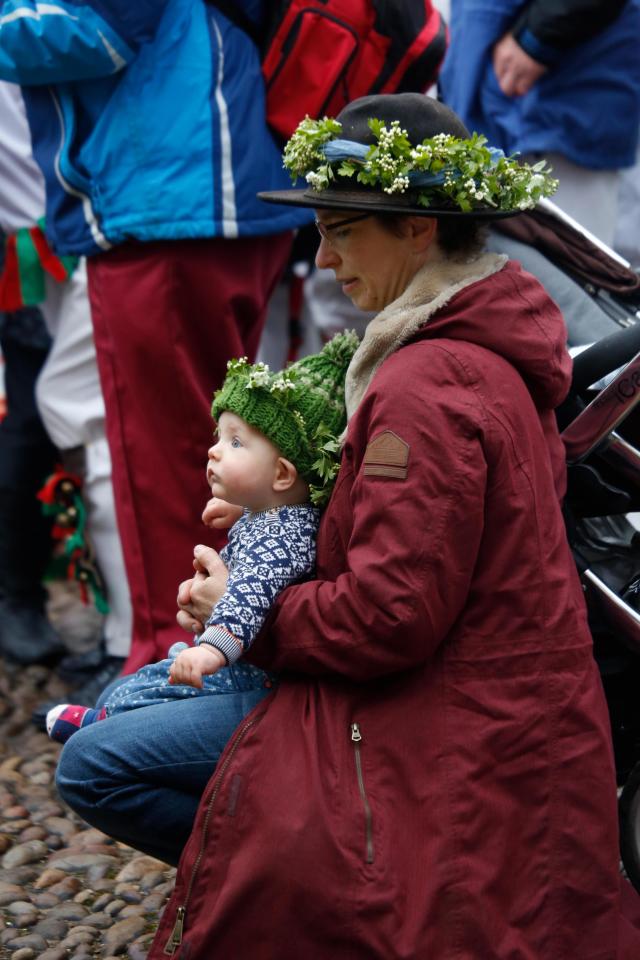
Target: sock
66, 719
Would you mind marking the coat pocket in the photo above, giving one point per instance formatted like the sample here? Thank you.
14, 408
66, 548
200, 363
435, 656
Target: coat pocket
356, 740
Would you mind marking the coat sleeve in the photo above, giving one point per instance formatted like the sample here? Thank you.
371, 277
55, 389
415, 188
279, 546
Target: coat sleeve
546, 29
49, 43
412, 545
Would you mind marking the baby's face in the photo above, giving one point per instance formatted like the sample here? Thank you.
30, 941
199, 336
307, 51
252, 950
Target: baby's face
241, 466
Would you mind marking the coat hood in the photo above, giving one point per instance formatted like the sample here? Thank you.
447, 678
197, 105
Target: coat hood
490, 301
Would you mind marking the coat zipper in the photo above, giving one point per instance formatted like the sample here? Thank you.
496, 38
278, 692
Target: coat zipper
356, 739
175, 937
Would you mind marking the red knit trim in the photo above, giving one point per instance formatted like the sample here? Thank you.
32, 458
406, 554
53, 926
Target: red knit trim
50, 262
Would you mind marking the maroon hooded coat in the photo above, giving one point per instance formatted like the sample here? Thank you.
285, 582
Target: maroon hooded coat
433, 778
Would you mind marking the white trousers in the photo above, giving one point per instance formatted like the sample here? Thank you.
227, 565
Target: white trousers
71, 406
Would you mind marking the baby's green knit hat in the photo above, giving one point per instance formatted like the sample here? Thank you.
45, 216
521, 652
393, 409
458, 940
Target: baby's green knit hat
300, 409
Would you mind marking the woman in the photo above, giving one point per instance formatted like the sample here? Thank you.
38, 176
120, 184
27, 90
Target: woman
433, 776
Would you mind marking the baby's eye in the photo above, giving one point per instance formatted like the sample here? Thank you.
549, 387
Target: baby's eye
235, 442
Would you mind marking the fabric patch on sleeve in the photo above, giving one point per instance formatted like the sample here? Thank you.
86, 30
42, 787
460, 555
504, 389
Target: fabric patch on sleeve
387, 456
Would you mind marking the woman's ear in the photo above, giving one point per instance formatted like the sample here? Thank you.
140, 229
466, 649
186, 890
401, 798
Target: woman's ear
423, 232
285, 475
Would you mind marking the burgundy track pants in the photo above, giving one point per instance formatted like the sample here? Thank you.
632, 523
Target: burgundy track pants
167, 317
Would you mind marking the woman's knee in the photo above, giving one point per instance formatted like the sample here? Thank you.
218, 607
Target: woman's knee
80, 778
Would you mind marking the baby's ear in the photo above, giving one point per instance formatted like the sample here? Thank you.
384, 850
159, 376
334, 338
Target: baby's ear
285, 475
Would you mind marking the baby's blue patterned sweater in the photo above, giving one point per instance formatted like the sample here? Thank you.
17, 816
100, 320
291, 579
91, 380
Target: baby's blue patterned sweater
266, 552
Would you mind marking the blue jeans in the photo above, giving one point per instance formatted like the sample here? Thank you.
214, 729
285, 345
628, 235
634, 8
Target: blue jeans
138, 776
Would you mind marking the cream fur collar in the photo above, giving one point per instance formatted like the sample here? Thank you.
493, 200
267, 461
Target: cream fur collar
431, 288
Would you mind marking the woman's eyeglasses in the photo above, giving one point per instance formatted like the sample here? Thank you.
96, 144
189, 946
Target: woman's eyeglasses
325, 230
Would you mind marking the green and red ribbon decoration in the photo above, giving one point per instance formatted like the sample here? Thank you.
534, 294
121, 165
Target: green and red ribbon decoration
61, 499
28, 259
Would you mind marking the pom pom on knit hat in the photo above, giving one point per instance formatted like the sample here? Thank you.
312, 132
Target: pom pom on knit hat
301, 409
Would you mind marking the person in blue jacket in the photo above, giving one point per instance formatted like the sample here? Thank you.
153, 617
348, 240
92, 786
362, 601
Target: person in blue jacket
552, 78
148, 121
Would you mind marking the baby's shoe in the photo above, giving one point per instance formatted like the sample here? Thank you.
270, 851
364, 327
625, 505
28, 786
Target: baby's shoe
65, 719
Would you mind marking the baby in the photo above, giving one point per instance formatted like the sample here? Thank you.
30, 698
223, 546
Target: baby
275, 456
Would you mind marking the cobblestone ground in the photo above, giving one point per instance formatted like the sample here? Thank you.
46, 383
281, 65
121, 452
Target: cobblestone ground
67, 891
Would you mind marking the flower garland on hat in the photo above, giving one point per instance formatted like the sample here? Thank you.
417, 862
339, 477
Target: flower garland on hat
443, 171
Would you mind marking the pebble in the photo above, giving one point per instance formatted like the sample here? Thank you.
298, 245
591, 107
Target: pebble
52, 928
98, 873
81, 861
91, 837
101, 902
66, 888
69, 911
121, 933
54, 953
132, 910
14, 827
44, 900
139, 948
33, 832
85, 896
136, 868
48, 877
24, 953
114, 907
151, 880
99, 920
60, 826
76, 937
32, 941
9, 892
45, 810
21, 875
23, 912
24, 853
127, 892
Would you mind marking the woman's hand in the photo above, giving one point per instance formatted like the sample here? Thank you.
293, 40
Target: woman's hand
198, 596
192, 665
220, 515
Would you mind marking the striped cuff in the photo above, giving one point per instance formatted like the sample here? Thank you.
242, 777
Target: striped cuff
223, 641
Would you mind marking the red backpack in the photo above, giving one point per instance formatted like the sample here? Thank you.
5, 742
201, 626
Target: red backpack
320, 54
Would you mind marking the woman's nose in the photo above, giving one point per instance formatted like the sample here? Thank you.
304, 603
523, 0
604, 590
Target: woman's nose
326, 257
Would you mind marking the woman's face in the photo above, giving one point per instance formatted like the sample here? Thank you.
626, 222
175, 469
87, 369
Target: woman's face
373, 265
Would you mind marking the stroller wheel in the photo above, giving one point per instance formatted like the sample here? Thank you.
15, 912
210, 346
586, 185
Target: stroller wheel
629, 812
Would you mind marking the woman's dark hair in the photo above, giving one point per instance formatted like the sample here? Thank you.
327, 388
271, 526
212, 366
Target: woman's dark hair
460, 237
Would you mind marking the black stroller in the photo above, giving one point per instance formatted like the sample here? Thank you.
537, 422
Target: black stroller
600, 423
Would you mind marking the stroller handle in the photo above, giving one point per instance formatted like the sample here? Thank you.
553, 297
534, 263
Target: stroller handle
604, 357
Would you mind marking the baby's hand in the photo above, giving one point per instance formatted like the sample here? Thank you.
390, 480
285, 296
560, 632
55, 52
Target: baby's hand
220, 514
193, 664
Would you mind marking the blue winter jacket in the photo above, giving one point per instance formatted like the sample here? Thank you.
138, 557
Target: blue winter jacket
587, 107
147, 118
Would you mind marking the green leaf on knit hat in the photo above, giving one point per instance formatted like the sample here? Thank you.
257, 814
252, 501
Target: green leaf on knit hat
326, 465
